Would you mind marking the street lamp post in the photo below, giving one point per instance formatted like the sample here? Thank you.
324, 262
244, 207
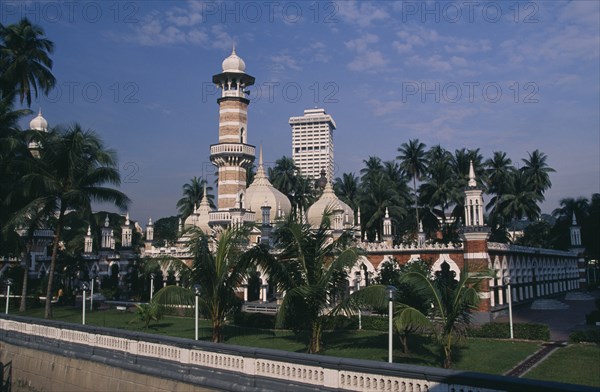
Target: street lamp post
84, 287
8, 282
358, 279
509, 299
196, 294
391, 290
93, 277
152, 276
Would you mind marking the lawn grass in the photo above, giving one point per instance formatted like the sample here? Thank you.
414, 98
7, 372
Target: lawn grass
578, 364
480, 355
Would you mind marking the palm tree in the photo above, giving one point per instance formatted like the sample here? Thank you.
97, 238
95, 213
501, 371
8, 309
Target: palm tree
440, 188
219, 274
452, 301
373, 168
570, 206
377, 195
413, 162
72, 172
538, 172
286, 177
346, 188
24, 60
283, 175
499, 170
521, 200
308, 267
193, 192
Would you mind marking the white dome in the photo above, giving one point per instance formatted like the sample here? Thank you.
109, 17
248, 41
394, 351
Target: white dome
328, 202
261, 192
234, 63
39, 123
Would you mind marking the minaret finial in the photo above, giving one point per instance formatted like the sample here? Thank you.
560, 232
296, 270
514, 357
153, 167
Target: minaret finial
574, 221
260, 158
233, 48
40, 111
472, 182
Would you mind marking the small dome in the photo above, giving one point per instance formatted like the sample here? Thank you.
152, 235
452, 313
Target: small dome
199, 218
39, 123
234, 63
328, 202
261, 192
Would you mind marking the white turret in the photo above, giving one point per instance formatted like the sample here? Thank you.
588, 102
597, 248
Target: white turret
126, 233
150, 231
87, 246
473, 201
105, 243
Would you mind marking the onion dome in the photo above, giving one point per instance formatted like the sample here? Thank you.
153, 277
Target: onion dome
39, 123
328, 202
234, 63
261, 192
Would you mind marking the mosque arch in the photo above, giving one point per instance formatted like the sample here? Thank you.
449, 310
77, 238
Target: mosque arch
445, 258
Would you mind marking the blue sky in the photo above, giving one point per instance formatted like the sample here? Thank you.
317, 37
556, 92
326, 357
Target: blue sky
509, 76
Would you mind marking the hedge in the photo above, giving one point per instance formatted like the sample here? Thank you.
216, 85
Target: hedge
254, 320
587, 335
502, 331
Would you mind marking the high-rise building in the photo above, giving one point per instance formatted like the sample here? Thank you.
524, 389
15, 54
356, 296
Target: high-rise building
312, 143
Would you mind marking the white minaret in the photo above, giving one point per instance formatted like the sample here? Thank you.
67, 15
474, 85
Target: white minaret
232, 155
87, 246
575, 233
473, 201
387, 228
106, 234
126, 233
150, 231
421, 236
149, 235
39, 124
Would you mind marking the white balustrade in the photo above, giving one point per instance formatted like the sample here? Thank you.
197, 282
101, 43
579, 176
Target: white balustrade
300, 373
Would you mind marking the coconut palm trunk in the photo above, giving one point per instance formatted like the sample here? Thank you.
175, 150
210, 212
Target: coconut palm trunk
59, 227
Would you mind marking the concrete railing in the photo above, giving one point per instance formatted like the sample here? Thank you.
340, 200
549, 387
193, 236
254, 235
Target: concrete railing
232, 148
231, 367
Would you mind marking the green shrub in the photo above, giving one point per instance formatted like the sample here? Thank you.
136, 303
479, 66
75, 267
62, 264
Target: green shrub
587, 335
343, 323
254, 320
593, 317
375, 323
502, 331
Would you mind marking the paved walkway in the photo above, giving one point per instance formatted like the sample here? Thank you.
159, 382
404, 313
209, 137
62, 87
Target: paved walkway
560, 321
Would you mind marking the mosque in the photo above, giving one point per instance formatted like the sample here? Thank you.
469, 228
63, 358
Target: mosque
529, 273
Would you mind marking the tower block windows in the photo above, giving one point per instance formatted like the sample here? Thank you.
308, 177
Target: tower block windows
232, 155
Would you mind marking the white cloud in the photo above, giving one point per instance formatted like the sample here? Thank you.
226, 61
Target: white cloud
366, 58
434, 62
284, 62
362, 14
